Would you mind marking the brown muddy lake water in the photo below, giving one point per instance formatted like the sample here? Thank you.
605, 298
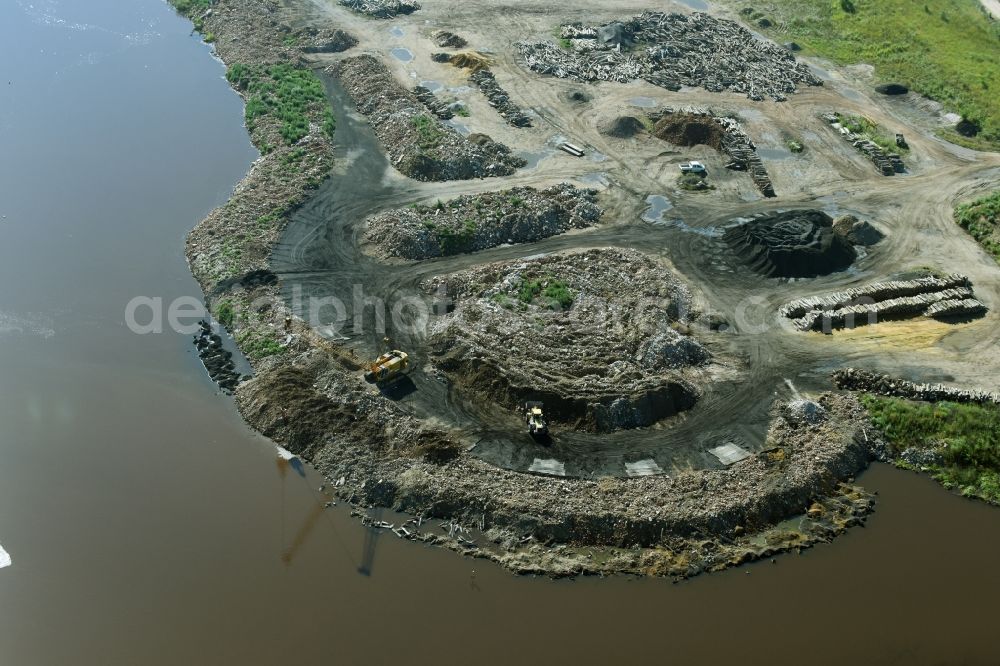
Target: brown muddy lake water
147, 525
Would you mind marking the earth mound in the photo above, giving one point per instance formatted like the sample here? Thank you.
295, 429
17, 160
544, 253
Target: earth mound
597, 335
793, 244
686, 129
856, 231
622, 127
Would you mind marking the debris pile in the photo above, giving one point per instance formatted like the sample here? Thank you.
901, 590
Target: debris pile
478, 221
449, 40
418, 144
465, 60
437, 106
499, 99
622, 127
857, 231
793, 244
887, 163
853, 379
594, 334
691, 127
940, 297
670, 51
381, 8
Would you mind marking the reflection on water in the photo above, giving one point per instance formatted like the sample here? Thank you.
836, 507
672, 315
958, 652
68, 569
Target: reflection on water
402, 54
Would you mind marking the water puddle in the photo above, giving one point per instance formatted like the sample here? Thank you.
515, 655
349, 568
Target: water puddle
549, 466
402, 55
697, 5
595, 178
774, 153
534, 157
643, 102
433, 86
658, 205
396, 31
459, 90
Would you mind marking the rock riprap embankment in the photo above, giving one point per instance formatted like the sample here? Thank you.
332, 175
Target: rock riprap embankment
478, 221
599, 336
672, 50
418, 144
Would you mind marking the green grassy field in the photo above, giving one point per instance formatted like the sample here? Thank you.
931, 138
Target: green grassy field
965, 437
981, 218
945, 49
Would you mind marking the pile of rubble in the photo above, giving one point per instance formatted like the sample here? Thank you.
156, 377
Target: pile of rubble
419, 145
595, 335
670, 51
499, 99
792, 244
887, 163
853, 379
693, 126
433, 103
381, 8
949, 296
478, 221
449, 40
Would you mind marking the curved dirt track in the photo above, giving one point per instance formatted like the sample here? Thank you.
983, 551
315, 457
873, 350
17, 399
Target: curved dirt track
320, 254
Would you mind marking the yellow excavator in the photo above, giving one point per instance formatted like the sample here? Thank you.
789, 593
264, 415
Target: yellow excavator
387, 367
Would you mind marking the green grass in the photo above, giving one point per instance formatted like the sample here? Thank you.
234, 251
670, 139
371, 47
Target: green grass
872, 131
554, 291
292, 96
454, 241
257, 345
428, 131
225, 313
981, 218
966, 436
946, 50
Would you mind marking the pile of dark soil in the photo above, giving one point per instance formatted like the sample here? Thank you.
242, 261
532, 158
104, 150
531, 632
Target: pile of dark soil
684, 129
892, 89
798, 243
622, 127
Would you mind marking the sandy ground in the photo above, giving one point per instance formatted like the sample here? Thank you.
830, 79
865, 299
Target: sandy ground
915, 209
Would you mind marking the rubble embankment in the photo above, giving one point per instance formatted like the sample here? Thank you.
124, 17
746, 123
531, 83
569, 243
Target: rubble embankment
499, 99
476, 222
854, 379
670, 51
679, 525
596, 335
419, 146
940, 297
381, 9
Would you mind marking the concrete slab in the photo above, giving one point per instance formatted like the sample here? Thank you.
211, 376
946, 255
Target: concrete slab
549, 466
729, 453
646, 467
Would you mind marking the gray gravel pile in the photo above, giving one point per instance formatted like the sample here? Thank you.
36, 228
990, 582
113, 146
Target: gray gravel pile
479, 221
670, 51
599, 336
418, 144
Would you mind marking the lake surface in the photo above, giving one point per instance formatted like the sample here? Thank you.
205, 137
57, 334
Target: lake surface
147, 525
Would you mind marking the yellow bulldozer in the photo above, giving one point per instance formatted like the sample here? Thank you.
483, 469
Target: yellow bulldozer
390, 365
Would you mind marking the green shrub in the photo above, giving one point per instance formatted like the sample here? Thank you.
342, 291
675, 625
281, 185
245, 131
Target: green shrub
981, 218
965, 436
224, 313
290, 95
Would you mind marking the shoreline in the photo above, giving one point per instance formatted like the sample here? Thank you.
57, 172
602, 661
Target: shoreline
792, 495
